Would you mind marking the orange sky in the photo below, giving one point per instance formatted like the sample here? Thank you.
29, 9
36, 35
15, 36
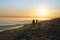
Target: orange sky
30, 8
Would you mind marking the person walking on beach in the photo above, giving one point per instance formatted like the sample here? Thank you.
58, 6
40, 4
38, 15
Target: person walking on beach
36, 21
33, 22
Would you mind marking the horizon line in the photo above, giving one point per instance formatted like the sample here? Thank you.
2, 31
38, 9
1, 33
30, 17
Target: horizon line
22, 17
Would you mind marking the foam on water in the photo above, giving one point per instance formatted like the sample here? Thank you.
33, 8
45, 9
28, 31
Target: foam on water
9, 28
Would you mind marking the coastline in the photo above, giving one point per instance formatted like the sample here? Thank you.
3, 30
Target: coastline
10, 33
9, 28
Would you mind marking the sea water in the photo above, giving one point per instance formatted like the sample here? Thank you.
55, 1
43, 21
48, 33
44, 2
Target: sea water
13, 21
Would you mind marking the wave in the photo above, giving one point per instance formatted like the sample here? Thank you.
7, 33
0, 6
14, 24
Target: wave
8, 27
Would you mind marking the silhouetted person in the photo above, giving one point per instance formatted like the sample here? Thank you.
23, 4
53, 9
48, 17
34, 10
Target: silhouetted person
33, 22
36, 21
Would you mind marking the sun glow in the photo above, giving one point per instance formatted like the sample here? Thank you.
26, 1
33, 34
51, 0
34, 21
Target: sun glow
43, 12
42, 18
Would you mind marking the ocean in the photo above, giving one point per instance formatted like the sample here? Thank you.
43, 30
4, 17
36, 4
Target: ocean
13, 21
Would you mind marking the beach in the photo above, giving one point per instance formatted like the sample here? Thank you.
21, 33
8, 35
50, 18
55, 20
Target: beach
45, 30
12, 32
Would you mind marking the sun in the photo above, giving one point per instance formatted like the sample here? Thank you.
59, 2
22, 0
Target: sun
43, 11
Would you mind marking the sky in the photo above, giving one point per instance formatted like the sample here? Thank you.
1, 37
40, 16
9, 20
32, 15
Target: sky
29, 8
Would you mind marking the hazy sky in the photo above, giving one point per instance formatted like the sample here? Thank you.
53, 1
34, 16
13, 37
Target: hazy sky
28, 7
